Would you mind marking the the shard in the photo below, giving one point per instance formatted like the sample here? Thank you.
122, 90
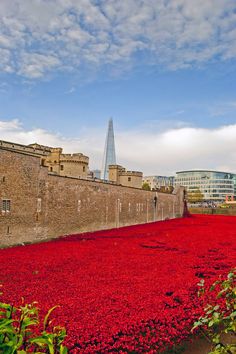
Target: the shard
109, 157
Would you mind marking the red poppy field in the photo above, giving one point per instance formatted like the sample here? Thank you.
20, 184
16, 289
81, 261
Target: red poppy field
128, 290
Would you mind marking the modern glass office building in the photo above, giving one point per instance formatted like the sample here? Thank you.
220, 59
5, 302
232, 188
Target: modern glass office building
214, 185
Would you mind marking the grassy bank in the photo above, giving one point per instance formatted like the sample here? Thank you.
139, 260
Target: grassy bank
213, 211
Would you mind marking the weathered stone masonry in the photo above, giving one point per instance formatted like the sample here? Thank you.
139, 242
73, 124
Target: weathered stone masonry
37, 205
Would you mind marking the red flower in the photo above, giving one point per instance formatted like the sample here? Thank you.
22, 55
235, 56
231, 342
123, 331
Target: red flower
123, 290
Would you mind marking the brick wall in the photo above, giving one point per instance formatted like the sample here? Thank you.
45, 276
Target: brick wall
45, 206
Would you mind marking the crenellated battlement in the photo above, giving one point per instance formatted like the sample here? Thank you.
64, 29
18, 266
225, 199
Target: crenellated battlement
120, 175
70, 165
74, 158
132, 173
32, 149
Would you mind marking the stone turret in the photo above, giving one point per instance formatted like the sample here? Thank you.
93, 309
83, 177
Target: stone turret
74, 165
53, 160
70, 165
120, 175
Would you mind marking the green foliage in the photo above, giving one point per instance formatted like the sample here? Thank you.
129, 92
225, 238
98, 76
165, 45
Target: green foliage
166, 189
218, 324
146, 186
195, 195
17, 331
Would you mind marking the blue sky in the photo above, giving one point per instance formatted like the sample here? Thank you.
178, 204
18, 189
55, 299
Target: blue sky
163, 69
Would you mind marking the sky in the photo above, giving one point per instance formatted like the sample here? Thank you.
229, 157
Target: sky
164, 70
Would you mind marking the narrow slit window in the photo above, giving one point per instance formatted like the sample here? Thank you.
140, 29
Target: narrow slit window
6, 205
39, 205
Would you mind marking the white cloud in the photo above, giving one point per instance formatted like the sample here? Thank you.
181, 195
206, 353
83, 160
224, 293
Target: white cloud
222, 108
35, 65
152, 152
70, 33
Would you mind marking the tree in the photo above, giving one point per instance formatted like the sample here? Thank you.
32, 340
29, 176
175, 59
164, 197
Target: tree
146, 186
195, 196
166, 189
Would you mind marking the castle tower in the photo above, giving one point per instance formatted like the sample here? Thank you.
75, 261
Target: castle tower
109, 157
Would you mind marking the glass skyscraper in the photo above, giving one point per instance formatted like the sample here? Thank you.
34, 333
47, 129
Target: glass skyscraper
109, 157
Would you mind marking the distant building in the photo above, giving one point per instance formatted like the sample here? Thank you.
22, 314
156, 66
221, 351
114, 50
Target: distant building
119, 175
70, 165
215, 186
156, 182
109, 157
96, 174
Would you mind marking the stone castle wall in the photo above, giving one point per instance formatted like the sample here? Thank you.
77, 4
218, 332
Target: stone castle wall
30, 149
72, 165
44, 206
131, 180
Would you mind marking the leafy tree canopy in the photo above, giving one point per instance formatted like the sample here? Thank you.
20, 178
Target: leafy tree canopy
195, 196
146, 186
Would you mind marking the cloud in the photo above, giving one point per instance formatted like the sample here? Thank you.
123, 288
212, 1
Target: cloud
180, 149
222, 108
35, 65
71, 90
38, 36
150, 151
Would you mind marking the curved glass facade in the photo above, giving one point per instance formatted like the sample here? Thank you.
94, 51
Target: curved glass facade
214, 185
